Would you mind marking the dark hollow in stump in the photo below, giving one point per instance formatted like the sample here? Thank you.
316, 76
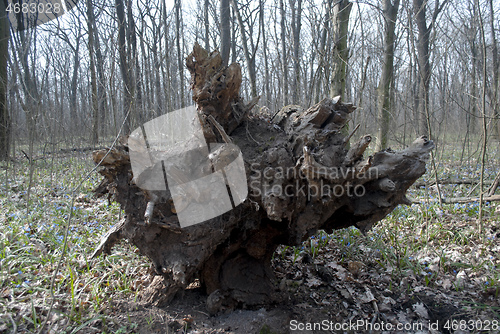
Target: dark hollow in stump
302, 176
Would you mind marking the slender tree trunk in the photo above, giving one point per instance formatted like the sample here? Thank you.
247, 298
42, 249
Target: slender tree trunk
473, 88
323, 52
134, 69
207, 24
74, 87
167, 83
384, 89
267, 77
99, 67
5, 124
296, 24
157, 79
180, 65
101, 82
284, 55
93, 78
225, 32
496, 74
341, 13
424, 68
249, 54
124, 65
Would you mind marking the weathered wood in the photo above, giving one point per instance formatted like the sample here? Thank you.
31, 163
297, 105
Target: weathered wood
301, 178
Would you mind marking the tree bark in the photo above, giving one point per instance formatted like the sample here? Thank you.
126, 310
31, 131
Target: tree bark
225, 33
496, 74
74, 87
206, 23
124, 65
341, 13
249, 54
296, 25
284, 55
424, 67
93, 76
179, 50
267, 77
301, 178
5, 124
384, 89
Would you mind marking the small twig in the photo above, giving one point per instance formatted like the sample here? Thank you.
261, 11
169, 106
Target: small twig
346, 140
219, 128
203, 313
26, 155
250, 135
14, 326
494, 186
375, 316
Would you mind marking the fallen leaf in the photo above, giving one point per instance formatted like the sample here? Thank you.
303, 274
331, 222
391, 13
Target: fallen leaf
355, 267
339, 270
420, 310
313, 282
367, 297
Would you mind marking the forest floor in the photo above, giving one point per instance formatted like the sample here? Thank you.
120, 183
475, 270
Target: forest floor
424, 268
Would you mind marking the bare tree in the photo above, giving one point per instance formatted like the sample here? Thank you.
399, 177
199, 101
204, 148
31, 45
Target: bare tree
206, 4
180, 65
296, 15
341, 12
424, 66
390, 12
225, 33
267, 77
5, 124
93, 77
496, 73
249, 47
124, 64
284, 55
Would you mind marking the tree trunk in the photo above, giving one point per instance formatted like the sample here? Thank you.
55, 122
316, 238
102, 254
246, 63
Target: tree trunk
424, 67
296, 25
124, 65
267, 77
207, 24
249, 54
299, 178
93, 77
5, 124
284, 56
101, 82
384, 89
225, 33
496, 74
323, 56
341, 13
179, 50
74, 88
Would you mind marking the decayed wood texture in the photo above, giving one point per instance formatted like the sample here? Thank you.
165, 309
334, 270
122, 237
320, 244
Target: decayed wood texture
301, 178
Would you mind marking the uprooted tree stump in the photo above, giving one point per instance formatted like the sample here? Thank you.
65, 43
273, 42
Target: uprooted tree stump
302, 176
